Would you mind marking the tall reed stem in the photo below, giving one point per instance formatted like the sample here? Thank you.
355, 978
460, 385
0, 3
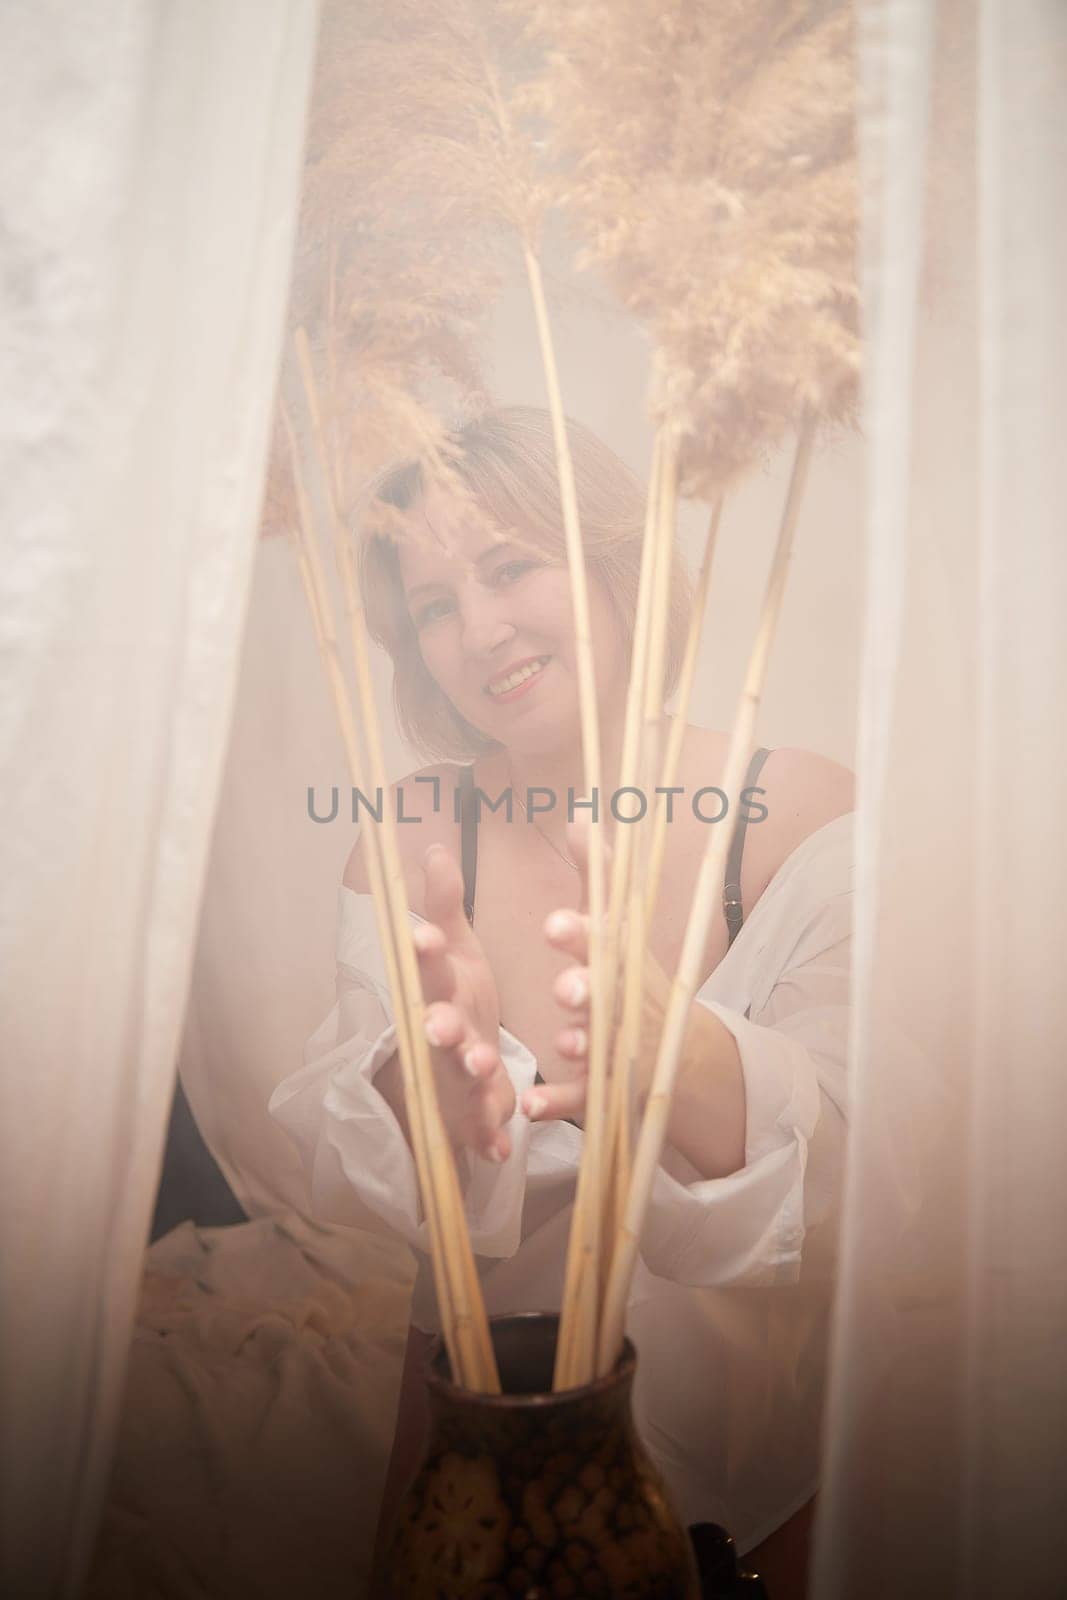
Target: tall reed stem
619, 1110
576, 1350
687, 978
464, 1322
645, 708
676, 738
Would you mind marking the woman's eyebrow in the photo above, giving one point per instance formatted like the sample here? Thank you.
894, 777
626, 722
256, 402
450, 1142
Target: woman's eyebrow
506, 546
417, 588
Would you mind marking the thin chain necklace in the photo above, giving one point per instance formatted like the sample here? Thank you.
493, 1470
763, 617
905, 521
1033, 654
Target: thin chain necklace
551, 843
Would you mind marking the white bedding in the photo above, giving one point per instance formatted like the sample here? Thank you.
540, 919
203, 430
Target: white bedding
258, 1415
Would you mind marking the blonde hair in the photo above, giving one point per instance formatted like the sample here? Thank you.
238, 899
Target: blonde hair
506, 461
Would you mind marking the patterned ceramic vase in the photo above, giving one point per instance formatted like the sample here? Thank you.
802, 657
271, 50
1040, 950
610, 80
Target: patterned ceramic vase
535, 1494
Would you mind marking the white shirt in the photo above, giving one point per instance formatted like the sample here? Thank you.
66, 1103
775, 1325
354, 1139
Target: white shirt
730, 1304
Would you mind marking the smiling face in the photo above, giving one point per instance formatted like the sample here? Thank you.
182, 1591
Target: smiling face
494, 626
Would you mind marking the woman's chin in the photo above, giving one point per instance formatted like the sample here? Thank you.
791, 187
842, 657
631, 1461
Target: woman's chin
538, 727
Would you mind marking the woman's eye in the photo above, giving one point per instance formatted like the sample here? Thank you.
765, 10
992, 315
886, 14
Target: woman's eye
431, 611
509, 571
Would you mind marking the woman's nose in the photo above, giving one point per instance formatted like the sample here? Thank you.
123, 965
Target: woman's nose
485, 627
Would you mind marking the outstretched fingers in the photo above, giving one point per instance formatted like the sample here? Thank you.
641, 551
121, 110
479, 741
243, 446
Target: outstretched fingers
486, 1117
568, 931
435, 967
476, 1081
444, 893
546, 1101
488, 1105
475, 1092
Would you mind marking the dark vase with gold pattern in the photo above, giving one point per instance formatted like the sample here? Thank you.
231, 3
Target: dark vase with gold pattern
536, 1494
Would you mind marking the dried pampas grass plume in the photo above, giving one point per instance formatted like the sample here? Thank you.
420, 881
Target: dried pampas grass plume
710, 148
415, 178
414, 188
708, 151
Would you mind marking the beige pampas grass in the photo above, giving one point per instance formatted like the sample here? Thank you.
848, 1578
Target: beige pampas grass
412, 193
410, 185
704, 150
709, 161
706, 153
418, 173
463, 1320
686, 980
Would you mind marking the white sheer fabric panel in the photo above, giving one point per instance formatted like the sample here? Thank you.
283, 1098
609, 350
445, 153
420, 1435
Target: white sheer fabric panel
152, 154
948, 1411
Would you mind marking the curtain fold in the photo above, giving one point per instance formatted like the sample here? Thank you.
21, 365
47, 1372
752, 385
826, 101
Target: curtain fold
149, 191
948, 1408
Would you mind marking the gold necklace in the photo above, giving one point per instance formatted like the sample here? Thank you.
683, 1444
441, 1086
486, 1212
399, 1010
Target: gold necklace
551, 843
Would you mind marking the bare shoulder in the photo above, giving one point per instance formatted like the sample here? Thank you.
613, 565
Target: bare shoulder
422, 806
804, 791
801, 789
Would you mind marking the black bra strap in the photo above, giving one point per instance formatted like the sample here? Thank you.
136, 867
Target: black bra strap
731, 891
468, 824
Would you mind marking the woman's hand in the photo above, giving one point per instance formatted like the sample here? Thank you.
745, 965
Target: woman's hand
568, 932
707, 1120
462, 1015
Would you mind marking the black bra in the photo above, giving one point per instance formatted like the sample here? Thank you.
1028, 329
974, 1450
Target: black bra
731, 892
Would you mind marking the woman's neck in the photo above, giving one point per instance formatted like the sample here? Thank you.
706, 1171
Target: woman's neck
561, 773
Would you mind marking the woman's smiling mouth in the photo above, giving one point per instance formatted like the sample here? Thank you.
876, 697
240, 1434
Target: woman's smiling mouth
510, 684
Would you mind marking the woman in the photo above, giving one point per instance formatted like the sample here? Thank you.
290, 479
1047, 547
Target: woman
729, 1314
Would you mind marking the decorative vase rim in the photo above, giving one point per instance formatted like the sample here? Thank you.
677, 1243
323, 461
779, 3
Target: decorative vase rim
444, 1387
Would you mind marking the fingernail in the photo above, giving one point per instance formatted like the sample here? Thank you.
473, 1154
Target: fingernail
432, 1032
579, 1041
577, 991
468, 1064
559, 924
535, 1104
493, 1154
420, 937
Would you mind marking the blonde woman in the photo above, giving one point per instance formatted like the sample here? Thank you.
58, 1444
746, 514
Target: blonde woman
730, 1305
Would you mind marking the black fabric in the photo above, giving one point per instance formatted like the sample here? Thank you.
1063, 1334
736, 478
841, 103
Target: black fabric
731, 893
731, 889
468, 826
191, 1186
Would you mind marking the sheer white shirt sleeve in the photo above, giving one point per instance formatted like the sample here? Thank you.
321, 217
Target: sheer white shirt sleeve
782, 990
358, 1166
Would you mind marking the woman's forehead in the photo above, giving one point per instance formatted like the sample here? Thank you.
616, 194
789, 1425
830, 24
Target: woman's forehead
443, 539
429, 554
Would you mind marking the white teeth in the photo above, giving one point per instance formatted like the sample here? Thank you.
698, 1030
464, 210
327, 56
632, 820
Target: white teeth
520, 675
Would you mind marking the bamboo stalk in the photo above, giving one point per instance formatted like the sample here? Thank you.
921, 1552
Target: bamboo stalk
705, 901
676, 739
576, 1350
470, 1325
644, 714
660, 611
463, 1316
625, 1066
630, 762
322, 618
645, 877
308, 583
618, 1133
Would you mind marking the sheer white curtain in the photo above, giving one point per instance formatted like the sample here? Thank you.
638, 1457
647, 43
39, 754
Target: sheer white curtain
948, 1416
150, 170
